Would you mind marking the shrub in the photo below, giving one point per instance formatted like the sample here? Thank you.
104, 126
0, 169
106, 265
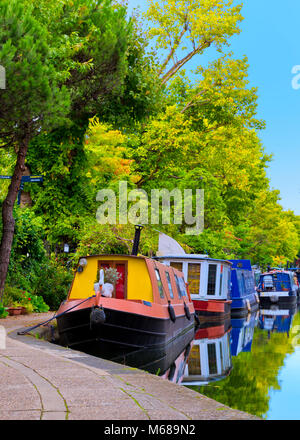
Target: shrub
3, 312
12, 295
52, 284
38, 304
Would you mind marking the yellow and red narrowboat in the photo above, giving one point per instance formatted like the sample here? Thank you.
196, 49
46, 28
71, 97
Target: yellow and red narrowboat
149, 316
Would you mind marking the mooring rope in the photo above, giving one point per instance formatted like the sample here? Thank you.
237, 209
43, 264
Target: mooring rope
55, 316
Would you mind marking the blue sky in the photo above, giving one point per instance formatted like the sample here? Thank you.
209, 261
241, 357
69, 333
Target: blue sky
270, 39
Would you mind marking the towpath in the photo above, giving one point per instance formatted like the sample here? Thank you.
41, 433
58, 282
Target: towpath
43, 381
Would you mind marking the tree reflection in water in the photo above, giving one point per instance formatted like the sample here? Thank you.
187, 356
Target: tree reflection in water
258, 351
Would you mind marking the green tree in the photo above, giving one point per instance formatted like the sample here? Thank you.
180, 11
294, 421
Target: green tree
32, 101
183, 29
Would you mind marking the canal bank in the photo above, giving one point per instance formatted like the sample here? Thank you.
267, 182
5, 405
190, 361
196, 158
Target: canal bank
43, 381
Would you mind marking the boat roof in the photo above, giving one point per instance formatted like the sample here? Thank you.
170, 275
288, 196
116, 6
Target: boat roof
241, 264
276, 271
115, 255
190, 257
140, 257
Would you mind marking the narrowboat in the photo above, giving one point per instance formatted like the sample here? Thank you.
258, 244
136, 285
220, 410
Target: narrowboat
296, 272
210, 357
277, 286
244, 297
146, 316
208, 283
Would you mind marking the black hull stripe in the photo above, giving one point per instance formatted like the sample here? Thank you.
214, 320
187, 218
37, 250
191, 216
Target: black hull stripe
121, 327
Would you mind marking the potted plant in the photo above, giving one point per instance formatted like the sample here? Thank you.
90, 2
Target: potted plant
111, 277
15, 309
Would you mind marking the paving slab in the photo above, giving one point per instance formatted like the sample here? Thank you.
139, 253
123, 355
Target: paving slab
40, 380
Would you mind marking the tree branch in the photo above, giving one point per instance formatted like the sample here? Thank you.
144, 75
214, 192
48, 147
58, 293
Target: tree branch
183, 61
175, 45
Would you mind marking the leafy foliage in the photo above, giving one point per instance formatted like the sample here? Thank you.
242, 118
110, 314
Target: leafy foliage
3, 312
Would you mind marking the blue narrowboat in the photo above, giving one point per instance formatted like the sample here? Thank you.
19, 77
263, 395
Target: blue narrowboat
243, 292
277, 286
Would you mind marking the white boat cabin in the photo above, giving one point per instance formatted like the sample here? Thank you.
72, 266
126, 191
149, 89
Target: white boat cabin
208, 278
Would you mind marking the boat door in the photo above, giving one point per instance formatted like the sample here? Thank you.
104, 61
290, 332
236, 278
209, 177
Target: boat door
120, 290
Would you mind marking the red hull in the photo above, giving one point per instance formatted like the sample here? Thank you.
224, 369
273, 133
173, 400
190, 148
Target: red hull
212, 308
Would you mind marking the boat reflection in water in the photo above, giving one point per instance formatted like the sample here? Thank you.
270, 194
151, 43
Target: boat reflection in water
277, 318
242, 333
210, 356
159, 362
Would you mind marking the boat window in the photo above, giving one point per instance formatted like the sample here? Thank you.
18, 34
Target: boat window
212, 358
228, 280
241, 281
169, 284
194, 270
221, 280
249, 281
177, 265
212, 273
159, 283
180, 286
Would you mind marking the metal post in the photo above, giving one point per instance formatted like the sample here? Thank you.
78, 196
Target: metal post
136, 241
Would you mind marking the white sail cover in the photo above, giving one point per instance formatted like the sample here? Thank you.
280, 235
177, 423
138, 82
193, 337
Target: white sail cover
168, 246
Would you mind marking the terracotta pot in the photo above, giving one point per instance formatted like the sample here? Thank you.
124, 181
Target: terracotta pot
23, 311
14, 311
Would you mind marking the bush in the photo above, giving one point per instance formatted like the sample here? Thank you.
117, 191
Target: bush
28, 251
3, 312
12, 295
52, 284
38, 304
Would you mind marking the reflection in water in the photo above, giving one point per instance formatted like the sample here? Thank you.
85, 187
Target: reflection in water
242, 333
276, 318
210, 357
164, 361
265, 349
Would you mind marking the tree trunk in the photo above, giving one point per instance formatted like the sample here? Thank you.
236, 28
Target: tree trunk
8, 222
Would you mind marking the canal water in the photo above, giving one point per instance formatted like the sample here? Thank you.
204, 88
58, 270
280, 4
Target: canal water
251, 364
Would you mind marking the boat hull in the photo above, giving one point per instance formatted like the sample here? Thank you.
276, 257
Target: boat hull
140, 341
282, 298
244, 305
212, 309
